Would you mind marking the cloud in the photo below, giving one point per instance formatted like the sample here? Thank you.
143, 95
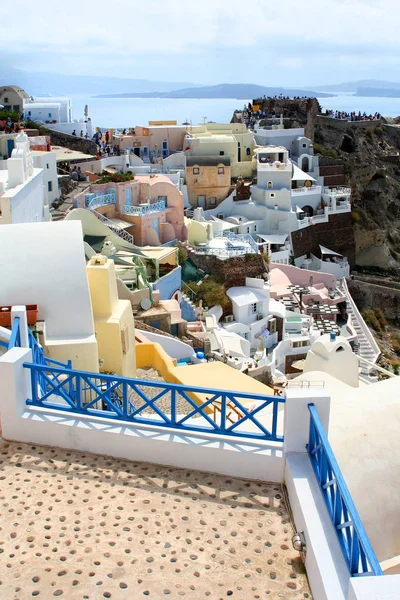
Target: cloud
207, 41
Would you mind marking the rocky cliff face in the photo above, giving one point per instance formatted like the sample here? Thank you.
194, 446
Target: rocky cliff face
370, 157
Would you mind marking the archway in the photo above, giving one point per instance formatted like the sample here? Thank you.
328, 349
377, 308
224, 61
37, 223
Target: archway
305, 164
308, 210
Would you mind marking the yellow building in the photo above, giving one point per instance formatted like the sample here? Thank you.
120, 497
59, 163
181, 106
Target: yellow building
208, 180
231, 140
113, 319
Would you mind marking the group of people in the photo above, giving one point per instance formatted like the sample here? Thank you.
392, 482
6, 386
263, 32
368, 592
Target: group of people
352, 116
82, 135
105, 146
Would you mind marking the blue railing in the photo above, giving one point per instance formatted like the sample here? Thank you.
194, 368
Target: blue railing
356, 547
142, 210
242, 237
167, 405
15, 339
96, 199
39, 357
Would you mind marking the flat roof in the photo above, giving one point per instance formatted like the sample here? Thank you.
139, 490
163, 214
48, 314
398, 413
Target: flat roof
158, 252
243, 295
65, 154
125, 528
208, 161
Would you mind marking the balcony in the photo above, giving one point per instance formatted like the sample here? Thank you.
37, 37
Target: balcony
143, 209
313, 189
337, 191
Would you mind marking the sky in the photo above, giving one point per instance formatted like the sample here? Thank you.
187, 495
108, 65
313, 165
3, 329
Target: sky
293, 42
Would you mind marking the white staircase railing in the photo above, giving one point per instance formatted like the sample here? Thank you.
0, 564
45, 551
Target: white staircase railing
114, 227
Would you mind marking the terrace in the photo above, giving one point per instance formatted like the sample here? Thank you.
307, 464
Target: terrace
175, 532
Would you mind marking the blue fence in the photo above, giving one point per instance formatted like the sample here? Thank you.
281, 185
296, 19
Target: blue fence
15, 339
146, 209
356, 547
155, 403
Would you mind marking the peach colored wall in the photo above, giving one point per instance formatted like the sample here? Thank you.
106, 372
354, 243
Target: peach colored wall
173, 135
209, 183
171, 220
302, 276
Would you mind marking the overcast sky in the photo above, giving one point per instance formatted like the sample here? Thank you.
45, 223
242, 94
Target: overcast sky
288, 42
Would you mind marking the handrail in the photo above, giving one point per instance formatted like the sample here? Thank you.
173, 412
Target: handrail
115, 397
353, 539
15, 339
360, 319
376, 367
129, 209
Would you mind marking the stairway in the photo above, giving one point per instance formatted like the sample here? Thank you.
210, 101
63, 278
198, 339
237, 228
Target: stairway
188, 308
365, 347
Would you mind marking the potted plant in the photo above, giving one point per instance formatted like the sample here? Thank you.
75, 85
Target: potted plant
31, 313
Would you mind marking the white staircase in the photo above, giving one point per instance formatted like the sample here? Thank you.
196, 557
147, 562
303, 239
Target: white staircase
366, 347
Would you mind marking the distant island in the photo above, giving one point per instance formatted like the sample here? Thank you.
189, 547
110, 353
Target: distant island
242, 91
378, 92
354, 86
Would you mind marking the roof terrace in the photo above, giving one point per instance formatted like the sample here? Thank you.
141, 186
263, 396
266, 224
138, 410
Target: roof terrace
82, 526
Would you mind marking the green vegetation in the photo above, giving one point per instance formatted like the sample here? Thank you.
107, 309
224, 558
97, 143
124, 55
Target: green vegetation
369, 135
375, 318
13, 116
320, 149
396, 343
266, 258
358, 216
210, 291
379, 130
182, 254
115, 177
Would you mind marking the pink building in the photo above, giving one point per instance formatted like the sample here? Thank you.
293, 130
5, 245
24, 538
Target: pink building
150, 208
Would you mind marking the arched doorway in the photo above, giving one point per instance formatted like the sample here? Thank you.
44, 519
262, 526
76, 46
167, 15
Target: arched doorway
308, 210
305, 164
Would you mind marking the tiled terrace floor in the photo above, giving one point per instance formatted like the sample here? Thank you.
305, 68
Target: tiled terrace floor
82, 526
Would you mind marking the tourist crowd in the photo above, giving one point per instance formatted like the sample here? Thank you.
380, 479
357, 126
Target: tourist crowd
352, 116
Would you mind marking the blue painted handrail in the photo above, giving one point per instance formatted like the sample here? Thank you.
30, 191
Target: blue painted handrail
39, 357
228, 413
15, 339
353, 539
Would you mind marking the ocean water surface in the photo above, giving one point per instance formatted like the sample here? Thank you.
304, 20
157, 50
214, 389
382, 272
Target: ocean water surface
128, 112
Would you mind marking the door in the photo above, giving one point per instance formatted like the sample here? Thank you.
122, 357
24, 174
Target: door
10, 147
239, 152
201, 202
156, 226
128, 196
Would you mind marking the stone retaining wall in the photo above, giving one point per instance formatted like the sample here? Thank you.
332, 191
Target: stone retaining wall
343, 124
337, 234
233, 269
369, 295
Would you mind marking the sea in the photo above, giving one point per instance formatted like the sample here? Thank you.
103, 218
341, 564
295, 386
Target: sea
118, 113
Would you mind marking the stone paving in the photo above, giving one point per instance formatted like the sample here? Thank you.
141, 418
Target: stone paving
87, 527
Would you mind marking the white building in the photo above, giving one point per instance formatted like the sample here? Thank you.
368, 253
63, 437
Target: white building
48, 109
48, 162
56, 113
22, 197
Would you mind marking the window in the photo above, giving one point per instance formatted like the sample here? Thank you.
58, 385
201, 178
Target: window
212, 201
304, 145
255, 227
221, 153
29, 113
165, 145
248, 151
221, 170
49, 114
220, 216
270, 185
5, 99
248, 229
162, 198
253, 308
49, 186
47, 166
196, 171
272, 195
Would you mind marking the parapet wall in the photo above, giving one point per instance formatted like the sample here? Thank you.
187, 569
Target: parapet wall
344, 124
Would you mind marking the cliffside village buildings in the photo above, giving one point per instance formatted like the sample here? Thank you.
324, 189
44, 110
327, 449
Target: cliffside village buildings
113, 291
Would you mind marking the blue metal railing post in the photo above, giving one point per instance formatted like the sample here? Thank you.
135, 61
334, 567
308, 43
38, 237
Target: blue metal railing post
354, 542
223, 412
173, 406
15, 341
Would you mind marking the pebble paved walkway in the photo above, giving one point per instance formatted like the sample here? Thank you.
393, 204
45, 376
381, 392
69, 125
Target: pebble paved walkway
86, 527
